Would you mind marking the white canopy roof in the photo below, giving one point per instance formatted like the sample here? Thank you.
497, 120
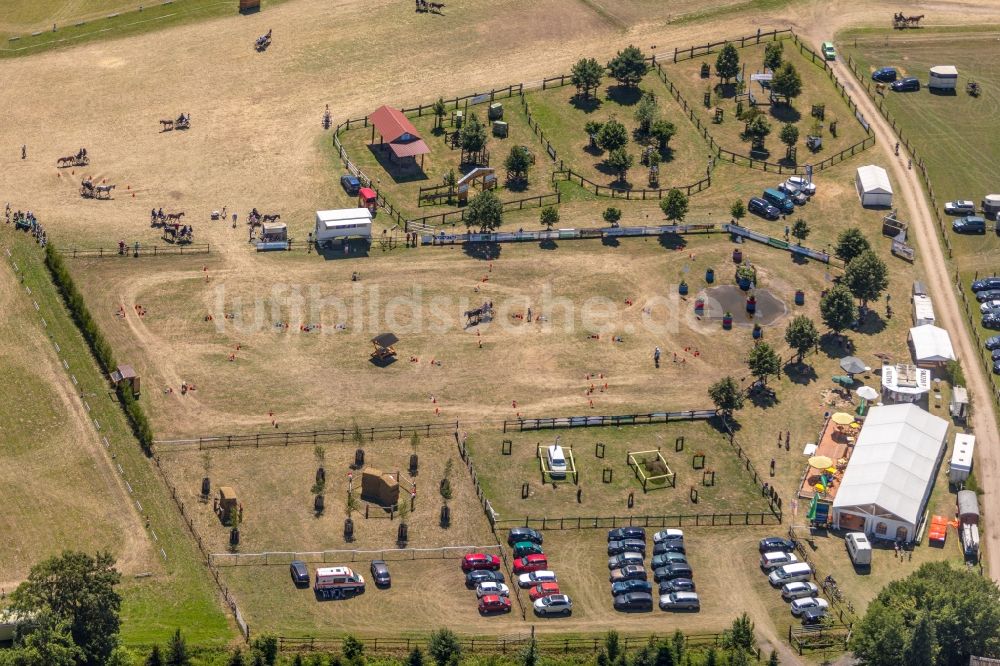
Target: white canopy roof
874, 179
893, 462
944, 71
331, 219
931, 343
905, 379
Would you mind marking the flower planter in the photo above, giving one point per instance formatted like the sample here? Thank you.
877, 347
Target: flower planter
743, 283
683, 289
751, 304
727, 321
737, 256
758, 332
699, 306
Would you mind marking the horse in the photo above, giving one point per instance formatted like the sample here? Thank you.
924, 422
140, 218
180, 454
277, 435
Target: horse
103, 189
175, 217
436, 6
880, 88
270, 218
66, 161
914, 19
167, 125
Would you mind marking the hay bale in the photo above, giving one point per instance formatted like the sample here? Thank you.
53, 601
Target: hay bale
378, 487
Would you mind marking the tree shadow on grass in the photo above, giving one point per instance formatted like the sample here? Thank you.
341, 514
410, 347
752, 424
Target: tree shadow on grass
836, 346
873, 324
762, 396
548, 244
785, 113
725, 90
516, 185
592, 149
483, 251
666, 155
672, 241
800, 373
718, 423
624, 95
588, 105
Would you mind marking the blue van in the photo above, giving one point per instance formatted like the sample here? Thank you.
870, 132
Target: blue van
782, 201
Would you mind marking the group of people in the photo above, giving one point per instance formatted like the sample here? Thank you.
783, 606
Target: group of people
27, 221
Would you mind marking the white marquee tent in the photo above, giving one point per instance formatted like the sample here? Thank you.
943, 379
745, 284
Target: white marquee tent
873, 186
931, 344
891, 472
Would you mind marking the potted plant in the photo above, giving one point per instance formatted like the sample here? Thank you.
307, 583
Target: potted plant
758, 332
727, 320
352, 506
745, 276
683, 288
751, 303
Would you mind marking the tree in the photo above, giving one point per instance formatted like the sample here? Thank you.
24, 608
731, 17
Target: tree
789, 135
851, 243
257, 659
443, 647
646, 112
47, 642
664, 655
738, 210
77, 590
593, 129
612, 135
298, 661
801, 335
530, 655
837, 309
866, 276
586, 76
679, 642
613, 645
763, 362
267, 646
517, 163
439, 111
663, 131
757, 129
727, 64
352, 648
415, 658
881, 635
726, 395
773, 659
629, 66
800, 229
922, 649
620, 161
674, 205
236, 659
155, 657
786, 82
472, 136
485, 211
549, 216
612, 215
772, 55
177, 652
712, 657
740, 636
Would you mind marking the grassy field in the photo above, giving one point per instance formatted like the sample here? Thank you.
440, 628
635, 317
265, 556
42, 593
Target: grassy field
502, 476
562, 117
179, 593
817, 88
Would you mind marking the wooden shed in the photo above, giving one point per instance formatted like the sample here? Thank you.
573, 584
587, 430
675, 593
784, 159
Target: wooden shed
125, 374
227, 503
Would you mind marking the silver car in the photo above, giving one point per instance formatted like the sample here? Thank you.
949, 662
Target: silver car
807, 603
960, 207
624, 559
793, 591
680, 601
554, 604
806, 186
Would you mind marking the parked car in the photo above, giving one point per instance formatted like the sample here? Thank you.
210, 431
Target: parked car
557, 461
762, 208
622, 533
623, 559
805, 185
518, 534
543, 590
530, 563
493, 603
677, 585
992, 342
300, 573
996, 368
626, 586
989, 306
664, 559
986, 284
672, 534
797, 196
668, 547
673, 570
970, 224
676, 601
554, 604
806, 603
828, 51
474, 561
907, 84
813, 616
522, 548
793, 591
779, 200
778, 558
634, 601
533, 578
337, 582
884, 74
773, 543
995, 355
991, 320
960, 207
988, 295
790, 573
491, 587
474, 578
626, 545
630, 572
380, 573
350, 183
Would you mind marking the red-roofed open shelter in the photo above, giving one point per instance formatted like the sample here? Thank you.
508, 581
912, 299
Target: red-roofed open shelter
398, 132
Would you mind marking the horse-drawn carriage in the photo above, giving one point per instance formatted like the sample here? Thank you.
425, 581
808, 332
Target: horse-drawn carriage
89, 190
900, 21
972, 88
80, 159
182, 121
263, 42
178, 233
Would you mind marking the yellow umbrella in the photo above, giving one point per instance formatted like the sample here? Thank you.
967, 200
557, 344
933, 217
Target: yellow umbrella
821, 462
831, 470
842, 418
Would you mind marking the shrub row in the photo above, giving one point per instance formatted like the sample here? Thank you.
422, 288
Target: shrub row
98, 344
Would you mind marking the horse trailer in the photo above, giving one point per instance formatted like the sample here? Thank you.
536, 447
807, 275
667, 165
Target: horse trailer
343, 224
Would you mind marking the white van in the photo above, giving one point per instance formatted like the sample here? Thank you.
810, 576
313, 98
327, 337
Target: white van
859, 548
774, 559
336, 582
557, 461
790, 573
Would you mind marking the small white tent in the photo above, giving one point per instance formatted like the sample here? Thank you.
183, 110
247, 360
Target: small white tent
931, 344
873, 186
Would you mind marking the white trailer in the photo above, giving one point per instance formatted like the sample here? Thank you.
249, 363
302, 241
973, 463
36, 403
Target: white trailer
961, 458
923, 310
344, 223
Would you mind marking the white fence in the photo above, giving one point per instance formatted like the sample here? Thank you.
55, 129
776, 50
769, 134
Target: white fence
330, 556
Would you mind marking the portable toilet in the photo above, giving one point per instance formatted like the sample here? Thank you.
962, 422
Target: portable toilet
496, 111
500, 128
959, 406
943, 77
961, 458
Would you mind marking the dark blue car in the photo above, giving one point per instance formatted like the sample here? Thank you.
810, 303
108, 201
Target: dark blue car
350, 183
626, 586
884, 74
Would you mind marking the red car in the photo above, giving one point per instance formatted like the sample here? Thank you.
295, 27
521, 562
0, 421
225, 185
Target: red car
492, 603
477, 561
543, 590
530, 563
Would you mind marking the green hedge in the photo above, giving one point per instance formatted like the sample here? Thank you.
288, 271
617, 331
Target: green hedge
97, 343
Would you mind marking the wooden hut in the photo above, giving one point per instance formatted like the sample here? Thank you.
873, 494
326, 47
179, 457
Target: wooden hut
125, 374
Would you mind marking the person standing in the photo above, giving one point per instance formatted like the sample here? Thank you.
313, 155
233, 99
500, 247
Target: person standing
24, 151
656, 357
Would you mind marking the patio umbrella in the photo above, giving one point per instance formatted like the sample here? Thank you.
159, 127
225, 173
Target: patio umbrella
820, 462
852, 365
867, 393
842, 418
